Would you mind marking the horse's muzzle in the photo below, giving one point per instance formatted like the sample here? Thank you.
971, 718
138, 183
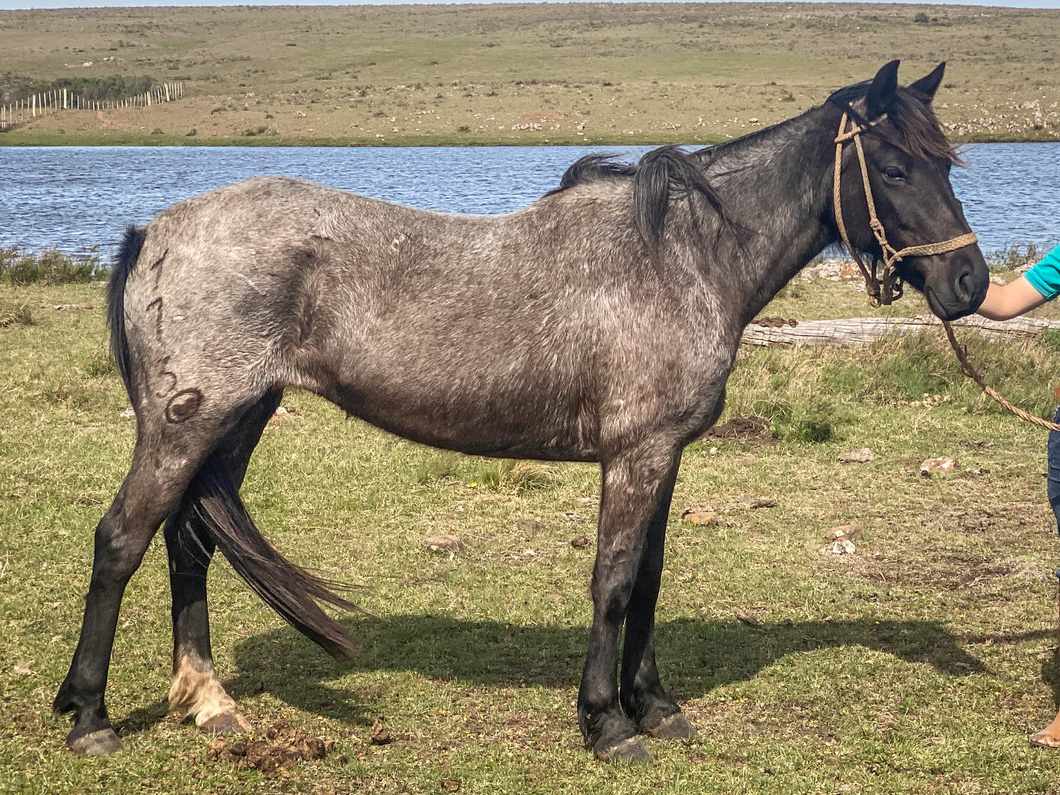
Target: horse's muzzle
962, 291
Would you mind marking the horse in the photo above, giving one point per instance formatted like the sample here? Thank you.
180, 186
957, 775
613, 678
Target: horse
598, 324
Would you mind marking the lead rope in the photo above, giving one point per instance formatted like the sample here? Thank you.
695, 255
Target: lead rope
971, 372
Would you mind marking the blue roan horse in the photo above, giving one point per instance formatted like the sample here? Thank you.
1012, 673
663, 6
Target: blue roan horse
598, 324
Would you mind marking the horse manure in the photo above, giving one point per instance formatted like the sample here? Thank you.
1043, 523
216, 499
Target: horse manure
742, 428
380, 734
275, 755
776, 322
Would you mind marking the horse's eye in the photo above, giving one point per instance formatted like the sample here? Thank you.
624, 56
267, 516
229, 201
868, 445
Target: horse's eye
893, 172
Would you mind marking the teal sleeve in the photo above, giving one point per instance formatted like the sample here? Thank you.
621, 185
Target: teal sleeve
1045, 276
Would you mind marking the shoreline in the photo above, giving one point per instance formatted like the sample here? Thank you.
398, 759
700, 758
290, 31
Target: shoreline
33, 139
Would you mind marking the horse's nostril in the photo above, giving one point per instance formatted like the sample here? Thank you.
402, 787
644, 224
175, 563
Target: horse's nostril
963, 287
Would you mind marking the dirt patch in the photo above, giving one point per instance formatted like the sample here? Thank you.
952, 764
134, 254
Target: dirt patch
1015, 518
938, 570
275, 755
745, 428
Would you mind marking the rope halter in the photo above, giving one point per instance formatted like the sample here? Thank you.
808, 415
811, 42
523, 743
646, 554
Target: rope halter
887, 287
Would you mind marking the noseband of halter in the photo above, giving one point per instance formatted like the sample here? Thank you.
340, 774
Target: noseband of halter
887, 287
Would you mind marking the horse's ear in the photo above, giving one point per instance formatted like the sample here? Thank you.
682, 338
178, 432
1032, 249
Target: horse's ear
882, 91
929, 84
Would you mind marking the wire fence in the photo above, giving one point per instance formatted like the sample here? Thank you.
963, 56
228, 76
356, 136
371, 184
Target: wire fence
48, 102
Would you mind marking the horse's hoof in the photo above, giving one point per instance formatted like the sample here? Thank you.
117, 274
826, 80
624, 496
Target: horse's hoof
1045, 739
98, 743
227, 723
629, 750
674, 727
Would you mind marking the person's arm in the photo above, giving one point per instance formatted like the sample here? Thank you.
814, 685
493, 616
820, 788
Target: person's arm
1006, 301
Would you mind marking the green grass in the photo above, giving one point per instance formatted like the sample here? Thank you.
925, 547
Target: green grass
917, 665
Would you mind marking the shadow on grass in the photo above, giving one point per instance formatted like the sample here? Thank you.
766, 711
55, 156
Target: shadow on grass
1051, 675
695, 656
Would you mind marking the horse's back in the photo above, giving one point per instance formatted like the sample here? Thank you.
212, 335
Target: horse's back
491, 334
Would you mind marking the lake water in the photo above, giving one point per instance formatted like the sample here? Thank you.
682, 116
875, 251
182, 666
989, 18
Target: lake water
78, 198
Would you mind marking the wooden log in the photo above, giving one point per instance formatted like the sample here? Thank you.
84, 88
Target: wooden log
861, 330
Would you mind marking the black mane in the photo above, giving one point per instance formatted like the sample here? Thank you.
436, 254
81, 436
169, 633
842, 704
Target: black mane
661, 174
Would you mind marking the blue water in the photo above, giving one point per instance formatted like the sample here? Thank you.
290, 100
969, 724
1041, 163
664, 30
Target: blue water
80, 198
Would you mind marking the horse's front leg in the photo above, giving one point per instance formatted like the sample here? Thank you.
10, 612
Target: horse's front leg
635, 485
643, 696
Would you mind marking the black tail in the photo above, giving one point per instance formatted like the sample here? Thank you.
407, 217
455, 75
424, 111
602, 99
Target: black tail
123, 264
285, 587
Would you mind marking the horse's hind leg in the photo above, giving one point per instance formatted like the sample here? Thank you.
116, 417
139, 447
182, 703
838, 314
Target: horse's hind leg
643, 696
151, 490
195, 691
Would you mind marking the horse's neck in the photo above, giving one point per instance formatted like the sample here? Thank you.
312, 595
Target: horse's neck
778, 185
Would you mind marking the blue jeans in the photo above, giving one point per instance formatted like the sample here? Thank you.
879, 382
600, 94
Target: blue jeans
1053, 473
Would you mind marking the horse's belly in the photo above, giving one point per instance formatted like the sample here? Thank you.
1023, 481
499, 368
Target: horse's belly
529, 425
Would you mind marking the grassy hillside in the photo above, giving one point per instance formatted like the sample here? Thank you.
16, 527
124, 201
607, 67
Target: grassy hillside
587, 73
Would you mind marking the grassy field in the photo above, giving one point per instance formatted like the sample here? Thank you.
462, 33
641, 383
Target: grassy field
575, 73
919, 664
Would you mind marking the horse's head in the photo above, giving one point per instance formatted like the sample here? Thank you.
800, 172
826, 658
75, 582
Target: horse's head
901, 176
